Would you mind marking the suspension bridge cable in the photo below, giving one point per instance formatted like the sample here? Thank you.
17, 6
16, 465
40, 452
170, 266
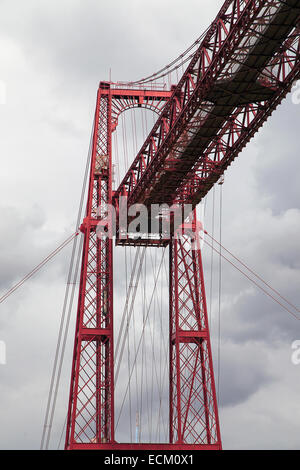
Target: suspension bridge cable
162, 373
176, 63
63, 345
253, 272
154, 362
128, 293
254, 282
38, 267
46, 427
135, 150
220, 292
140, 340
51, 402
62, 432
154, 371
128, 350
143, 288
28, 276
212, 257
144, 320
127, 333
128, 314
159, 379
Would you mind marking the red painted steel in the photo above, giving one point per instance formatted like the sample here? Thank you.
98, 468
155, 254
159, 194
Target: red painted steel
244, 67
193, 404
91, 404
117, 446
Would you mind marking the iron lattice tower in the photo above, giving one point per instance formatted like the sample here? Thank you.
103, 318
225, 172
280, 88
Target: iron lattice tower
245, 65
193, 407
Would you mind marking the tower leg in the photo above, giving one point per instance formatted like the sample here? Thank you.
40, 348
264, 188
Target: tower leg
193, 404
91, 402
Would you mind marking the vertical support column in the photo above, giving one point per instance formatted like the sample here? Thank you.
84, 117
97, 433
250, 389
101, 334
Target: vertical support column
193, 405
91, 403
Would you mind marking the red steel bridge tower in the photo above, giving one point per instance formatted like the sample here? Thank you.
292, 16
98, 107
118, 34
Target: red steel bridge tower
242, 69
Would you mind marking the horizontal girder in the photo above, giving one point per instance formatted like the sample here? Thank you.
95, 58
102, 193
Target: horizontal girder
133, 447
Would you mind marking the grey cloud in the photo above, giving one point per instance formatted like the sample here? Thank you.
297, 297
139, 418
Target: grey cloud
279, 167
245, 372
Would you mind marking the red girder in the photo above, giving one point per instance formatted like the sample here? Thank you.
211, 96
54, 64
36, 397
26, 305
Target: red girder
244, 67
129, 98
129, 446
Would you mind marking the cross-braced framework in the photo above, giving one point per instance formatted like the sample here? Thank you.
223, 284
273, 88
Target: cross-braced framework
193, 404
90, 414
91, 407
243, 68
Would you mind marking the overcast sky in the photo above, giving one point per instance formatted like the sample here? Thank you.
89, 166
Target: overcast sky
52, 57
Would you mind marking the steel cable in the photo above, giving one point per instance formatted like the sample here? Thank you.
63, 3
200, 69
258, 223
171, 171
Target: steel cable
253, 272
51, 402
140, 340
254, 282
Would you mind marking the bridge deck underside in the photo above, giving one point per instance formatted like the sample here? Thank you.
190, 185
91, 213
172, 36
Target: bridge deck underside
224, 98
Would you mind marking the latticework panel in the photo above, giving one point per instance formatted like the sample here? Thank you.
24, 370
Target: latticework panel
90, 417
193, 407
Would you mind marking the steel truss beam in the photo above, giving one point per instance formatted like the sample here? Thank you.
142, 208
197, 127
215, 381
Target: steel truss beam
244, 67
